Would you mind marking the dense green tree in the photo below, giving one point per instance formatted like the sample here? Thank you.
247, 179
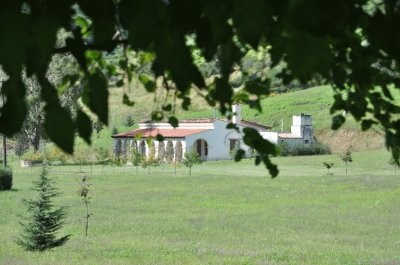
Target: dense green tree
352, 45
40, 232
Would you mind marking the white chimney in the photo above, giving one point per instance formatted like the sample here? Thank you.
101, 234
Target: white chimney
236, 114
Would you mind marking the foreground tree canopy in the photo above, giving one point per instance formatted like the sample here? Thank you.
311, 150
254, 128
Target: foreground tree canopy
352, 45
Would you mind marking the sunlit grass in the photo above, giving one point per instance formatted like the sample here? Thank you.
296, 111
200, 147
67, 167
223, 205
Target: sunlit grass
225, 213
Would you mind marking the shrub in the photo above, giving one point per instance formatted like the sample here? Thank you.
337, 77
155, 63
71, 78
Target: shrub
57, 155
102, 154
6, 178
304, 150
34, 157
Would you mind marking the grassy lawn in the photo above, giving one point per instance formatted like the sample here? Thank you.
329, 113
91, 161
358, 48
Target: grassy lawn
225, 213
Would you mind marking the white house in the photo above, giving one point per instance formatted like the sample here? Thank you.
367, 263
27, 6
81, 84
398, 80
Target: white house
209, 137
301, 132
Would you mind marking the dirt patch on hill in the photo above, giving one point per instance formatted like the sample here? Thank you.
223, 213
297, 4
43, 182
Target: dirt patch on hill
343, 138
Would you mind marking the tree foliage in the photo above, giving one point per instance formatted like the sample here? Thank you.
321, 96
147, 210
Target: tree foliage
191, 158
346, 156
40, 232
328, 165
352, 45
136, 157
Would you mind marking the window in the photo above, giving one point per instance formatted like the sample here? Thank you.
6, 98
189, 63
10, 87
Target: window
233, 144
306, 141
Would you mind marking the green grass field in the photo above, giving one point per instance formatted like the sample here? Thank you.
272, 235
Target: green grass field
225, 213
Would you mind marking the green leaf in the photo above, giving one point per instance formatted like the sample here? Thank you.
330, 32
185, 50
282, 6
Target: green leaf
173, 121
103, 18
159, 137
59, 127
14, 111
252, 18
127, 101
366, 124
232, 126
239, 155
95, 95
84, 126
186, 103
157, 115
257, 87
167, 107
307, 55
337, 121
264, 148
83, 23
148, 84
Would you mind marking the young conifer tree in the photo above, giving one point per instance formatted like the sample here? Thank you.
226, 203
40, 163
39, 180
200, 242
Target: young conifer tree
40, 233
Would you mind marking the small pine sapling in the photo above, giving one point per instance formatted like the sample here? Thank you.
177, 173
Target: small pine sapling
346, 157
191, 158
328, 166
40, 233
84, 193
114, 130
129, 121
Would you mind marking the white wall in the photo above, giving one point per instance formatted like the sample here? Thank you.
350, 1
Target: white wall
270, 136
217, 140
165, 125
291, 141
302, 127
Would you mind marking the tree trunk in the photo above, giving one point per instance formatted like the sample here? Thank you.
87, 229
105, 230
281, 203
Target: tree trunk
4, 151
87, 216
346, 168
36, 143
190, 171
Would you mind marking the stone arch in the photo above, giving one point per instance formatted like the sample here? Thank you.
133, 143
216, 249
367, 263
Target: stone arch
124, 147
142, 147
134, 145
161, 150
178, 151
118, 147
201, 147
152, 150
169, 154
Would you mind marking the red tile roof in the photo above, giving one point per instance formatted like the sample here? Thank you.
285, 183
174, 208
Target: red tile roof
255, 124
152, 132
198, 120
211, 120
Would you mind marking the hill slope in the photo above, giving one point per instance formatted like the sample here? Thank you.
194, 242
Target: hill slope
276, 109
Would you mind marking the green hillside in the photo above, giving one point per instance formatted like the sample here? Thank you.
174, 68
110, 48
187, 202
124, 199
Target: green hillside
276, 109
